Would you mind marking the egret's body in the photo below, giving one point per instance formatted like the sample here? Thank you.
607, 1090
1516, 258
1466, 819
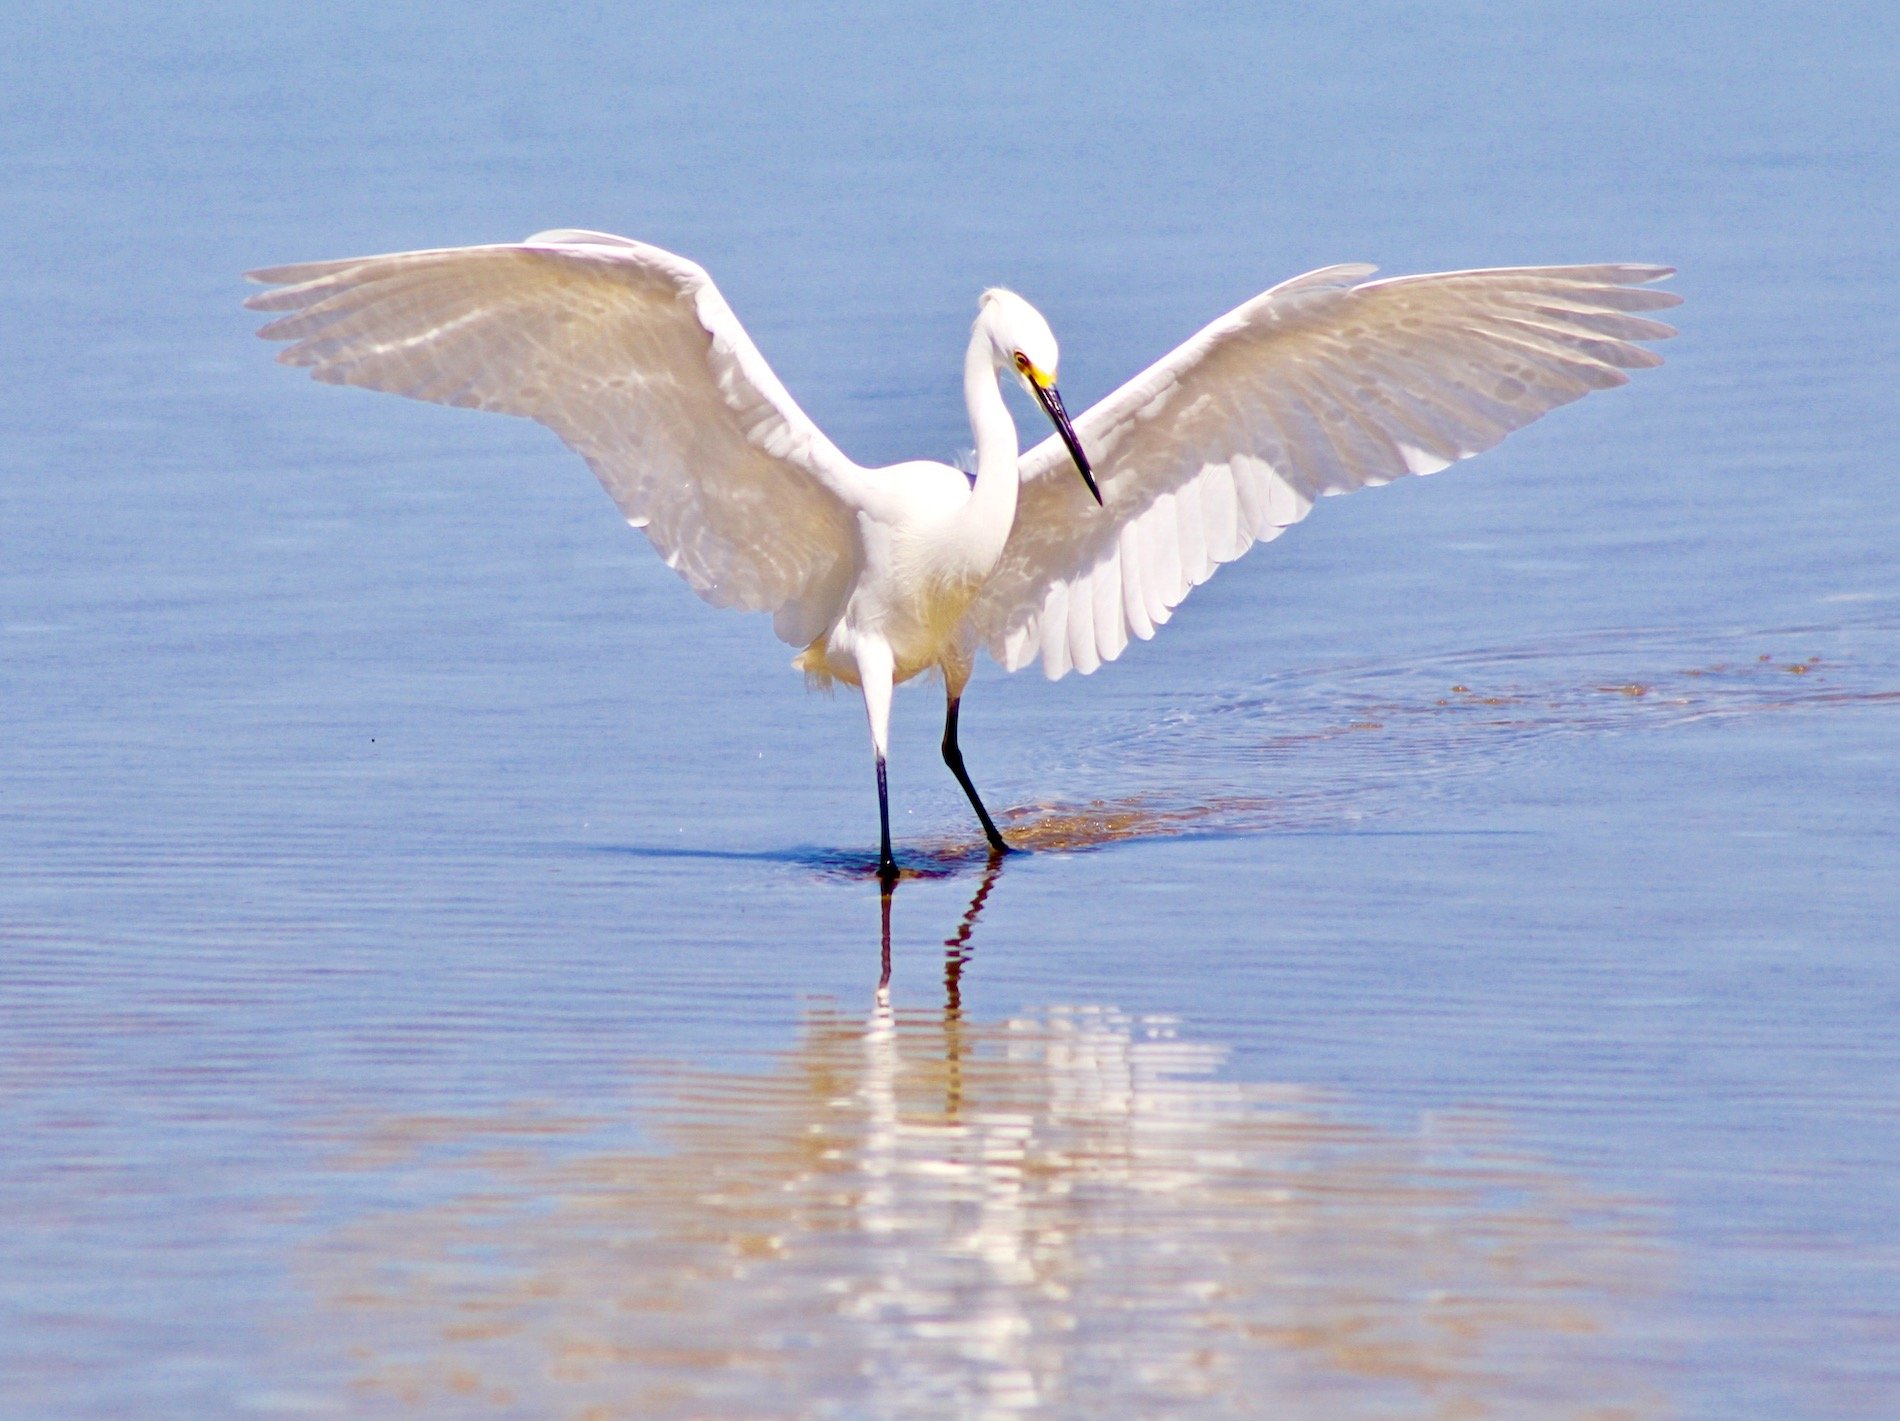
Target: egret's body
1319, 386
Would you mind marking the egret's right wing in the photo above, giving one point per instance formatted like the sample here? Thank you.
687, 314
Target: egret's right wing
1322, 385
632, 356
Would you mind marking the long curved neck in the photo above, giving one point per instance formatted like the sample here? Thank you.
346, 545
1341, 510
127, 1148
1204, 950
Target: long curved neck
993, 502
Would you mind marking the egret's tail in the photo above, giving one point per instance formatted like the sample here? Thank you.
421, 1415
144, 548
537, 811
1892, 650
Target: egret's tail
818, 675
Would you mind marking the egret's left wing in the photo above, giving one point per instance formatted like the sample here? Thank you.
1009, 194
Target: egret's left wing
1322, 385
632, 356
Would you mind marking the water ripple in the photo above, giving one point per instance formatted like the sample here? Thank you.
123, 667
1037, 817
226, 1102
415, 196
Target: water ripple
1354, 744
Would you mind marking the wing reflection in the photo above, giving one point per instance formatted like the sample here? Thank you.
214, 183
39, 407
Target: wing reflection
915, 1214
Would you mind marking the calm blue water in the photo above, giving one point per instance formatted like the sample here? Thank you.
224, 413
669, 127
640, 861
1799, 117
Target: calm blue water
438, 975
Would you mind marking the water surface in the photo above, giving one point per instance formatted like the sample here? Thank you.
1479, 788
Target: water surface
1454, 969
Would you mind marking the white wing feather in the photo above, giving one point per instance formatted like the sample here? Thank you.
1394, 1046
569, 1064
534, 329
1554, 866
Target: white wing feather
1320, 386
632, 356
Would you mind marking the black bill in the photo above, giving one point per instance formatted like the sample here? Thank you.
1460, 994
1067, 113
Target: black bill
1052, 406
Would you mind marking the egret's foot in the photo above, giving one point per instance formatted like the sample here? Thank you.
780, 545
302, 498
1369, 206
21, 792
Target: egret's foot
888, 873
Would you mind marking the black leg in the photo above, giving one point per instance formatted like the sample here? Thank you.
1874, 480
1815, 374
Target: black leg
953, 757
886, 865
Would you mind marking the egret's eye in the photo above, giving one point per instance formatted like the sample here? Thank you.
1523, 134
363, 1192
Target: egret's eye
1022, 362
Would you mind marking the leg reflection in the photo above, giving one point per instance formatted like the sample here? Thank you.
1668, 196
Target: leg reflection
956, 952
884, 974
957, 945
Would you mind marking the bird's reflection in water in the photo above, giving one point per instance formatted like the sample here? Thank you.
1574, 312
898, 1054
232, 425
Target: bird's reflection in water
910, 1213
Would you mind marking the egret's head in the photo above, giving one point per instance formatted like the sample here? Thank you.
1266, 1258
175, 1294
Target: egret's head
1021, 339
1022, 343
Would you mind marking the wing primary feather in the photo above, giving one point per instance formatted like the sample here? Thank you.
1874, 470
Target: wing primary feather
1055, 629
1167, 585
1111, 631
1134, 575
1081, 625
1190, 528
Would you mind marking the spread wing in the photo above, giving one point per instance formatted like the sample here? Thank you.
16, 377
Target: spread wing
1322, 385
632, 356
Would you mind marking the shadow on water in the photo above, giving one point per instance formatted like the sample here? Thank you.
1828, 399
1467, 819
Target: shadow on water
908, 1212
928, 862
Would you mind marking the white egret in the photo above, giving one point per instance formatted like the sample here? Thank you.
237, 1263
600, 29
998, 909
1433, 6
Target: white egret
1324, 384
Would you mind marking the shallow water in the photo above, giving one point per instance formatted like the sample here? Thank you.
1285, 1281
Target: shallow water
1454, 970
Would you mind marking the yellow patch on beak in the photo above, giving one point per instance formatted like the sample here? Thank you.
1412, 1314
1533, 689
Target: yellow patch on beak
1044, 380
